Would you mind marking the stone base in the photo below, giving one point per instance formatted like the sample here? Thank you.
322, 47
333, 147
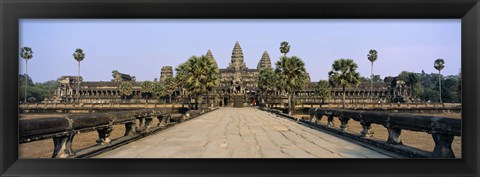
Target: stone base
238, 101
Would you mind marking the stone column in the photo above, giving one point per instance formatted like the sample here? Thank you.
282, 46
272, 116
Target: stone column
104, 134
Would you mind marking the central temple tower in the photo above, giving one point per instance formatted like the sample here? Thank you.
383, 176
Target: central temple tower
237, 63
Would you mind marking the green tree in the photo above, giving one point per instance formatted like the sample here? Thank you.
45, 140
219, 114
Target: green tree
284, 48
343, 74
125, 89
439, 64
199, 74
26, 53
292, 76
170, 87
79, 56
181, 77
266, 82
212, 75
372, 57
322, 90
411, 80
148, 88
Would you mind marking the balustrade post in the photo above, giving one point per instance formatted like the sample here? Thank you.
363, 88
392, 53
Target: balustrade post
318, 118
63, 146
104, 134
148, 121
164, 119
130, 128
330, 121
443, 146
367, 129
394, 136
344, 120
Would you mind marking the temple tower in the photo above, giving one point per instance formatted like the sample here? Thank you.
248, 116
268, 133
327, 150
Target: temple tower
166, 72
237, 63
264, 61
210, 55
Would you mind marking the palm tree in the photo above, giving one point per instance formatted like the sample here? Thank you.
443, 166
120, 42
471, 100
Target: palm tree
284, 48
372, 56
266, 81
79, 56
439, 64
322, 90
293, 76
27, 54
343, 74
212, 75
199, 75
148, 88
181, 77
125, 89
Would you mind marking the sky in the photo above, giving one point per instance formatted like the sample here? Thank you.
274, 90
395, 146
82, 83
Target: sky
140, 47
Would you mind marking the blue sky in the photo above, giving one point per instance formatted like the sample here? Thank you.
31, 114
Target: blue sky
141, 47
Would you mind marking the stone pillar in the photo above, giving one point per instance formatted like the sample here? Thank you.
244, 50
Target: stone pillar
367, 129
330, 121
63, 146
394, 136
130, 128
104, 134
443, 146
344, 122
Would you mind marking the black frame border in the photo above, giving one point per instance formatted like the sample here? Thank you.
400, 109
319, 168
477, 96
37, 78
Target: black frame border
12, 10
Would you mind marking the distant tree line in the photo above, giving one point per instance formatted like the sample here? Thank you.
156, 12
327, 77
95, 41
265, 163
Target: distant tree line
36, 92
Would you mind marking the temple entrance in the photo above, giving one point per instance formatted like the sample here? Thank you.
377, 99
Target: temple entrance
238, 101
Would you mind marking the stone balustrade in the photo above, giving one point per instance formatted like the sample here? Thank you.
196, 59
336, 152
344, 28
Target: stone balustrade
442, 129
63, 129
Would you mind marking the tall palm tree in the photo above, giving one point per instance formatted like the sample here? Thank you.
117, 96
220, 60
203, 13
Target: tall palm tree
212, 75
284, 48
343, 74
266, 81
26, 53
439, 64
293, 76
372, 56
125, 89
199, 75
181, 77
79, 56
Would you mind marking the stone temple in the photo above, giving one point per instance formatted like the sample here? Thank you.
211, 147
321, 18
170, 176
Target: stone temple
235, 79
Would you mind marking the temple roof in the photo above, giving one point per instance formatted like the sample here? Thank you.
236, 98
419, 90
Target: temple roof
264, 61
237, 61
210, 55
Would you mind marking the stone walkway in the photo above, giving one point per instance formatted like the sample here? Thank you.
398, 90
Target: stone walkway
241, 133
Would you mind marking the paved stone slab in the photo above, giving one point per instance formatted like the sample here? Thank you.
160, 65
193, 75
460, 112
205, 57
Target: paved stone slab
241, 133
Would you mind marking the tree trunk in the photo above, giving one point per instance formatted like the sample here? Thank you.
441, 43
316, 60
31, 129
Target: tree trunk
26, 80
199, 103
208, 99
289, 104
371, 85
343, 100
440, 86
78, 83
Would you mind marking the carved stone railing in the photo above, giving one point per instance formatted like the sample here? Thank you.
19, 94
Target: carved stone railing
89, 107
63, 129
442, 129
